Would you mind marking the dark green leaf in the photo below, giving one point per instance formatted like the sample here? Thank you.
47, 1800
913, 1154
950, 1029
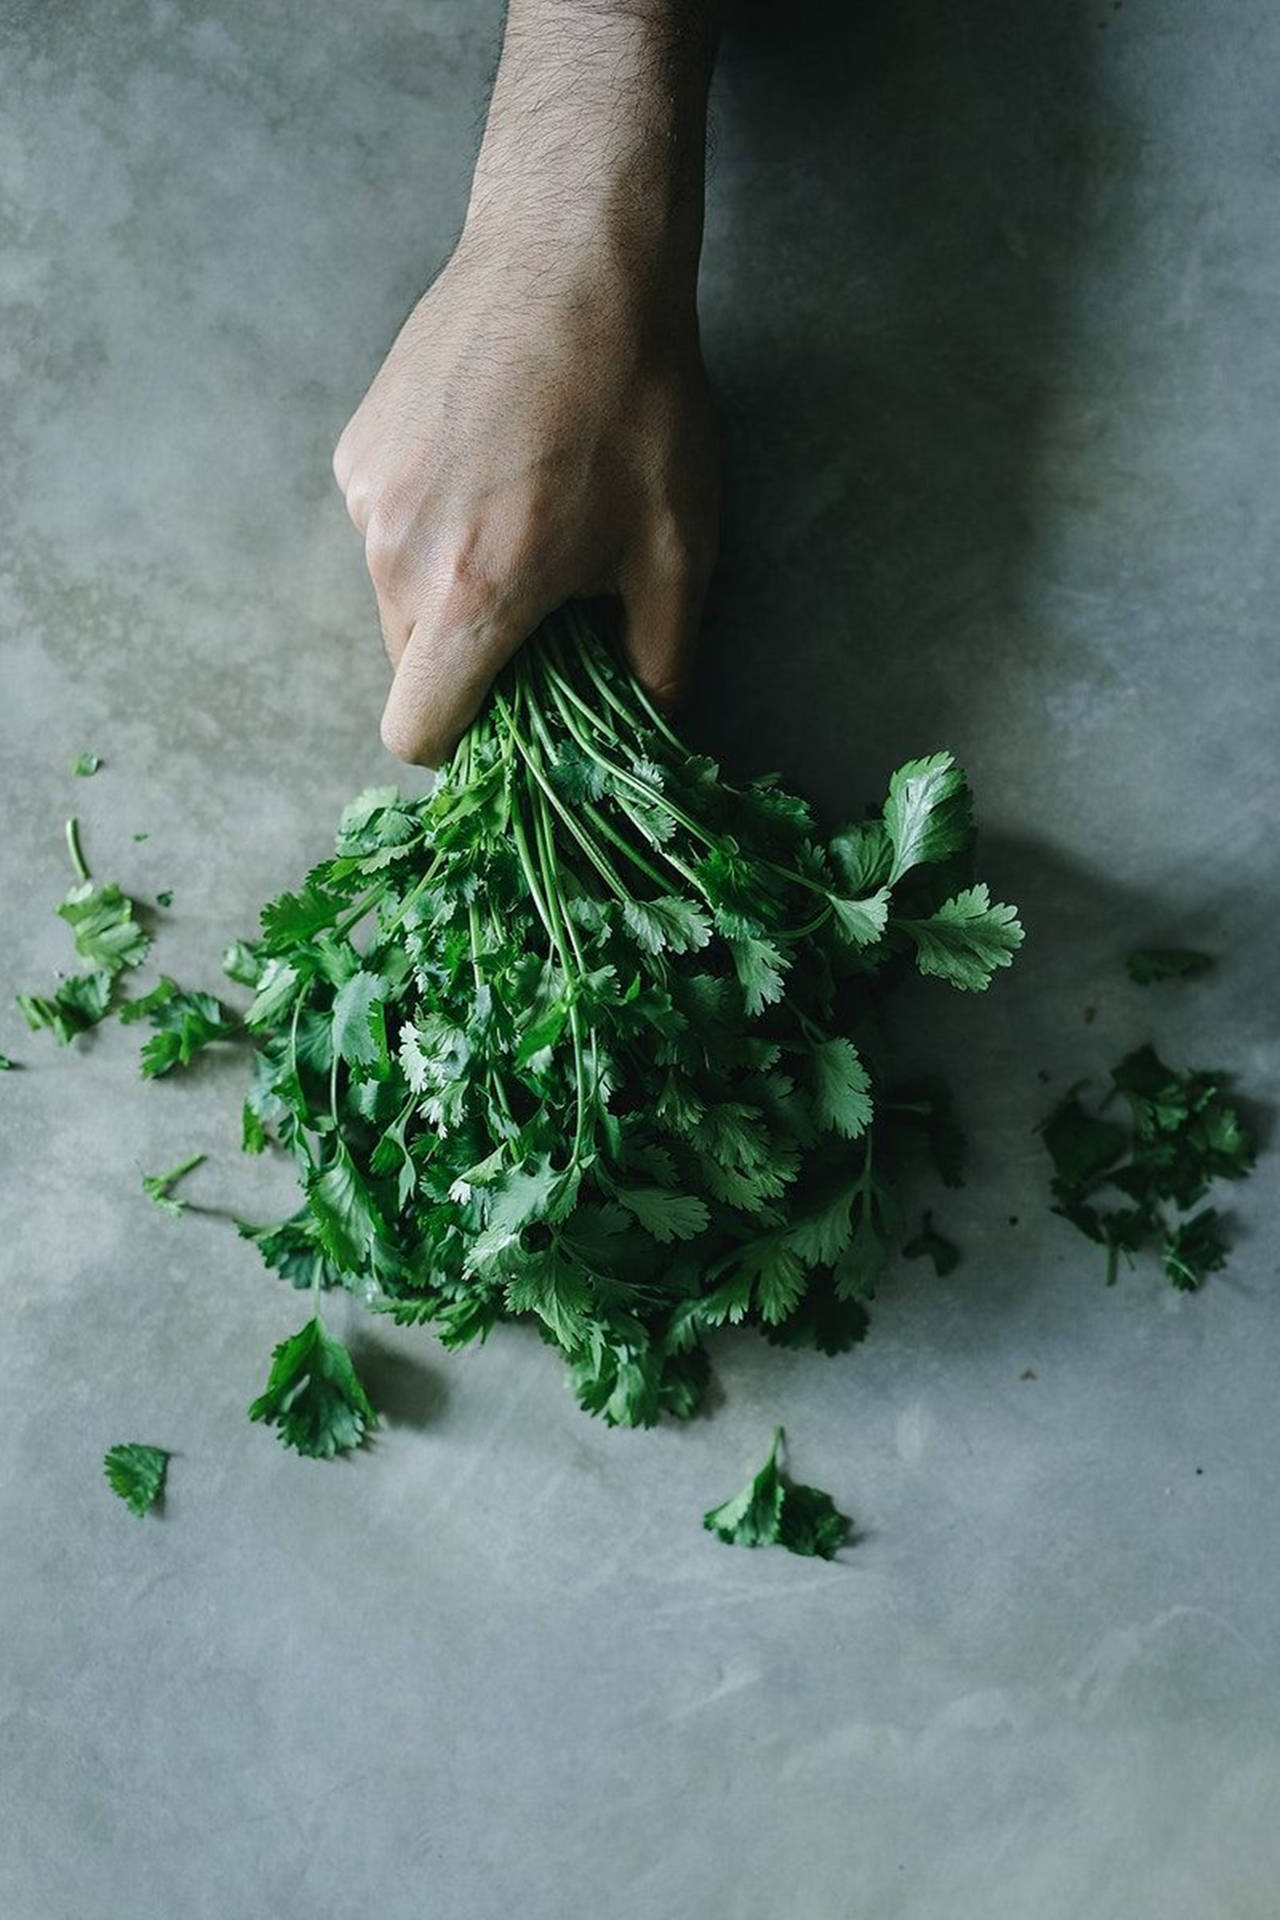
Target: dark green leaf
137, 1474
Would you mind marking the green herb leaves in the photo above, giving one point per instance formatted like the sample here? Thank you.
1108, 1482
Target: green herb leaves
1183, 1133
313, 1396
579, 1037
772, 1511
137, 1474
159, 1186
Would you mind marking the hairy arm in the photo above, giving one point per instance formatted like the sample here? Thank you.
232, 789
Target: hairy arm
542, 427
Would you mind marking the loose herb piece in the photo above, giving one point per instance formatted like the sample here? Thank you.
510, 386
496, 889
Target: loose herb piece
1182, 1134
137, 1474
313, 1396
589, 1037
165, 897
73, 1007
7, 1065
772, 1511
944, 1253
159, 1186
85, 764
106, 935
184, 1022
1149, 964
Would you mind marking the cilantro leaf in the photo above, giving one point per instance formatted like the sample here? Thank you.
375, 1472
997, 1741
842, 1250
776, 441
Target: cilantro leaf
667, 1216
184, 1022
928, 815
772, 1511
759, 967
159, 1186
1194, 1249
73, 1007
242, 962
861, 922
85, 765
966, 939
313, 1395
841, 1088
106, 934
359, 1023
137, 1474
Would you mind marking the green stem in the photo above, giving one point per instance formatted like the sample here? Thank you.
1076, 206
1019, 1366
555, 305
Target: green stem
73, 848
546, 855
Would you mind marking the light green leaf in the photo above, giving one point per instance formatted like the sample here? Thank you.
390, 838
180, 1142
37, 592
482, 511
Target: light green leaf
667, 1216
841, 1088
966, 939
928, 814
137, 1474
862, 922
359, 1024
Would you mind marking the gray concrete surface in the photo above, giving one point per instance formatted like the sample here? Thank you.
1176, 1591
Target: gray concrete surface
991, 299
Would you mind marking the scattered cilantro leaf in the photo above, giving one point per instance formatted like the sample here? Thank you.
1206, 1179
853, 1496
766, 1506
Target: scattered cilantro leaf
184, 1022
85, 764
73, 1007
313, 1396
772, 1511
165, 897
106, 934
137, 1474
159, 1186
1124, 1187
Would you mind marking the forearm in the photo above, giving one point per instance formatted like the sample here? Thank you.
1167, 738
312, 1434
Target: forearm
596, 133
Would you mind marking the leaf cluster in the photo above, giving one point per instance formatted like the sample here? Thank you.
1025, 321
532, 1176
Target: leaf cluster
771, 1510
589, 1038
1133, 1183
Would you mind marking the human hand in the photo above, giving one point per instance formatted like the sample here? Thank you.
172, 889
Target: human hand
541, 429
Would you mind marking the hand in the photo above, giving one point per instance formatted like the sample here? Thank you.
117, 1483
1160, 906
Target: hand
534, 434
542, 426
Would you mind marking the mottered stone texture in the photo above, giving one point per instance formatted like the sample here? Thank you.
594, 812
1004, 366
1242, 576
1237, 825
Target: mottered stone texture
989, 299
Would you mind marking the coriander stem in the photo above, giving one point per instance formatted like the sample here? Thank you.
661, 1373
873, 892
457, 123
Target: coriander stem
73, 848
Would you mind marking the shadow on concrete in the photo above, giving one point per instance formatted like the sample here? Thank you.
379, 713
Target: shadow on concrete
405, 1393
904, 192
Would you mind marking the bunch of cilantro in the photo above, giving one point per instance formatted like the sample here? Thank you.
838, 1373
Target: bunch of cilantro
589, 1037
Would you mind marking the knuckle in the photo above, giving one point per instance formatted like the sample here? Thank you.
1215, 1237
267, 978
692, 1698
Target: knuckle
383, 542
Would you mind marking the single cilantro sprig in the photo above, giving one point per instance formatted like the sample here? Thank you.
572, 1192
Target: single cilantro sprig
159, 1186
85, 765
313, 1397
1125, 1186
184, 1023
137, 1473
772, 1510
106, 935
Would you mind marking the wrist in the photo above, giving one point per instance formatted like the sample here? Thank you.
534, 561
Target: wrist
594, 146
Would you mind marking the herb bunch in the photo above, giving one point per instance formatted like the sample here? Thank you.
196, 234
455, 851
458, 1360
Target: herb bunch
587, 1036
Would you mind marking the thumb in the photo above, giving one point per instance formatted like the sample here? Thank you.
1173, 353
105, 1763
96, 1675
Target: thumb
662, 612
443, 676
